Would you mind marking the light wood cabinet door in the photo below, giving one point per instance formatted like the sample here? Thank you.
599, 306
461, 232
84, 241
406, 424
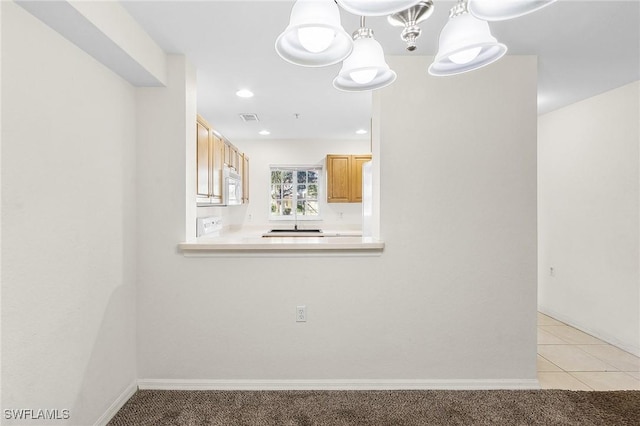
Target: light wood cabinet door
203, 159
227, 154
356, 176
235, 160
216, 170
240, 168
232, 156
245, 179
209, 164
344, 177
338, 178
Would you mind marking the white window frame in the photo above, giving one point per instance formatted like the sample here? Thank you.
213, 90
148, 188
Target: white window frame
319, 168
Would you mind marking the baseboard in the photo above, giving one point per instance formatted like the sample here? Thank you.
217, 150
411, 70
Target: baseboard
159, 384
117, 404
625, 346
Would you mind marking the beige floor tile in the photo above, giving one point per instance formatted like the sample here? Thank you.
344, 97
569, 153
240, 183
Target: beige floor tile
546, 365
618, 358
546, 338
571, 335
572, 358
547, 320
635, 374
560, 380
604, 381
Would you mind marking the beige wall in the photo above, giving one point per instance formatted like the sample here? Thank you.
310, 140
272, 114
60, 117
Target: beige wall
68, 225
451, 300
589, 215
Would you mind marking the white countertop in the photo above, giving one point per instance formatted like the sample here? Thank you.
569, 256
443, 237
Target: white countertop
252, 242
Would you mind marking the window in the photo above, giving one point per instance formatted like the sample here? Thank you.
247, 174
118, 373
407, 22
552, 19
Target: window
295, 192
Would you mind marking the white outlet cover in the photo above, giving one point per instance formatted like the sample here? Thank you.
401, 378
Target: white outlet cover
301, 313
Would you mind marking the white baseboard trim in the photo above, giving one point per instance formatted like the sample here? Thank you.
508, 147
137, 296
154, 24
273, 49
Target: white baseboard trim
625, 346
117, 405
169, 384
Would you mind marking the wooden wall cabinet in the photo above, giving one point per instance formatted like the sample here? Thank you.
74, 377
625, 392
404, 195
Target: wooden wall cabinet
213, 154
235, 159
232, 156
245, 178
227, 154
344, 177
218, 165
203, 160
208, 164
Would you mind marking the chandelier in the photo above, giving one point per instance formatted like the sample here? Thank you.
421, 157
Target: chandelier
315, 37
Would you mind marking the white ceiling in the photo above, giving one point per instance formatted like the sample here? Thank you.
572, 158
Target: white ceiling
584, 48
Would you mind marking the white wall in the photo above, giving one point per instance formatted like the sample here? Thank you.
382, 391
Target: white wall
105, 31
458, 211
263, 153
68, 225
589, 215
453, 296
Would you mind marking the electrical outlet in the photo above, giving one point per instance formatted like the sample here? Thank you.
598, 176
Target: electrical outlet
301, 313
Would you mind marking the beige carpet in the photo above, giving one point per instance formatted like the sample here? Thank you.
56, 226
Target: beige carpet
379, 408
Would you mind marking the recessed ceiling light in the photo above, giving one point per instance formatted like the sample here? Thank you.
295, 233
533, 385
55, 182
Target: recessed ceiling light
361, 132
264, 132
244, 93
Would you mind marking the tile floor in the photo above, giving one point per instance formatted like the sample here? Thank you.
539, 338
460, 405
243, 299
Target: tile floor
571, 359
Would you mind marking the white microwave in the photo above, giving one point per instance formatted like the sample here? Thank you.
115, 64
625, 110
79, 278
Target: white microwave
231, 187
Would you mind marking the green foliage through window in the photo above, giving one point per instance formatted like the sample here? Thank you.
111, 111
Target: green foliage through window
295, 191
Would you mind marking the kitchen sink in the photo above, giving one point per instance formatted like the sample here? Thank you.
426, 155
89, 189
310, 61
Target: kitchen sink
294, 233
296, 230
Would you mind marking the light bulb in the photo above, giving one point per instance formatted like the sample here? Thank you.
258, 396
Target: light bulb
363, 76
244, 93
316, 39
465, 56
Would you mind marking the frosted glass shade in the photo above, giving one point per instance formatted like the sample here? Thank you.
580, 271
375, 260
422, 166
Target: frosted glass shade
365, 68
376, 7
465, 44
316, 39
499, 10
314, 36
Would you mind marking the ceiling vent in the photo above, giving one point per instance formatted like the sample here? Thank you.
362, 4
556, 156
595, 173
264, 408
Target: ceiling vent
249, 117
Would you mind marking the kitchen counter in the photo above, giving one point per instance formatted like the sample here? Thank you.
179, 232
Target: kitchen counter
239, 243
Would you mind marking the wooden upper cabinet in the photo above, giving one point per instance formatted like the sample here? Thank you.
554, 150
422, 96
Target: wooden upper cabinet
344, 178
213, 154
338, 178
227, 154
216, 170
356, 176
235, 159
245, 178
231, 156
209, 162
203, 159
